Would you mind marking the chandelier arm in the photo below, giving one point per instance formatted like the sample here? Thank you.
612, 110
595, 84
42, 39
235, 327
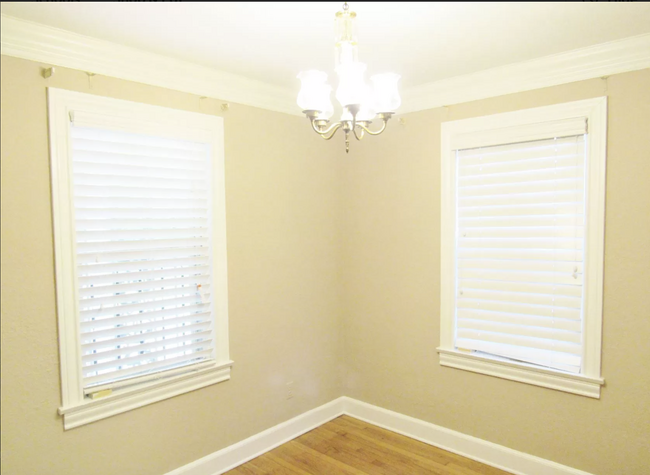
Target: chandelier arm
377, 132
359, 136
324, 133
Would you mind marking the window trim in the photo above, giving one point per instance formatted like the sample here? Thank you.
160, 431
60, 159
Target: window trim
521, 126
123, 115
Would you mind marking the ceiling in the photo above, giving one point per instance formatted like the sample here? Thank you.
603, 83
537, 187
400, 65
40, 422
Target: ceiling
273, 41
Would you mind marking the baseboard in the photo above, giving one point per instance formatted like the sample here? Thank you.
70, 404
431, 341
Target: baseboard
241, 452
495, 455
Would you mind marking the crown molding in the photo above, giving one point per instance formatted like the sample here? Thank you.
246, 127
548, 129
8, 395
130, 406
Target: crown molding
36, 42
44, 44
605, 59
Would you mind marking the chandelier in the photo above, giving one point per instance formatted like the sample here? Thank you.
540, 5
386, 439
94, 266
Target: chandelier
361, 103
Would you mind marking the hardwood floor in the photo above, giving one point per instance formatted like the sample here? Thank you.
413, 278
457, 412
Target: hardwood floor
349, 446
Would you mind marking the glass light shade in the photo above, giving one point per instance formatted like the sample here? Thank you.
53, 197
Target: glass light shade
312, 90
386, 96
326, 108
346, 115
352, 88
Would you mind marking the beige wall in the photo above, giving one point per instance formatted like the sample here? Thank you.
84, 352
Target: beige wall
282, 191
392, 292
333, 269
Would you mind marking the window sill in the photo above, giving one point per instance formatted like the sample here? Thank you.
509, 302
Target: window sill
126, 399
571, 383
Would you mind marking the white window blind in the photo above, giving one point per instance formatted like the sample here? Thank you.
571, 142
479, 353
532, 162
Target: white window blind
142, 223
520, 251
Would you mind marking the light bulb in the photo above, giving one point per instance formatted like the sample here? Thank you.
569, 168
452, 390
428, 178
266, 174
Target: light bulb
365, 114
352, 88
346, 115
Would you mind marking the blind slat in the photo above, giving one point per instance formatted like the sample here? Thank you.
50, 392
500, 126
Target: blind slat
523, 232
552, 359
521, 287
121, 146
94, 202
522, 341
126, 224
519, 165
115, 302
502, 264
549, 197
551, 299
108, 135
168, 363
111, 257
552, 173
521, 221
521, 253
117, 234
543, 188
138, 192
126, 351
521, 243
524, 320
94, 156
146, 285
134, 181
84, 247
117, 273
525, 134
101, 170
144, 358
516, 276
189, 313
522, 210
467, 308
161, 304
554, 334
113, 337
140, 213
515, 151
515, 162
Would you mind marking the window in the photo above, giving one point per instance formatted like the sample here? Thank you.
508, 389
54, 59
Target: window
139, 228
522, 243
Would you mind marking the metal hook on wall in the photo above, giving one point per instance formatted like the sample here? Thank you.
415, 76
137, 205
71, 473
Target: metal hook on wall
48, 72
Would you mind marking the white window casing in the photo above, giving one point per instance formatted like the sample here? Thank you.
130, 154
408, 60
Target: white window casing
140, 246
522, 245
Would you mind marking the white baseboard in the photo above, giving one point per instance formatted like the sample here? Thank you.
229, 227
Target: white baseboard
480, 450
495, 455
241, 452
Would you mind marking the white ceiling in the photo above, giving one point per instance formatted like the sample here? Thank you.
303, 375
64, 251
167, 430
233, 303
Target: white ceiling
273, 41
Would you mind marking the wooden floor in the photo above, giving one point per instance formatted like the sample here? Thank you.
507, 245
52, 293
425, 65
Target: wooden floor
350, 446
